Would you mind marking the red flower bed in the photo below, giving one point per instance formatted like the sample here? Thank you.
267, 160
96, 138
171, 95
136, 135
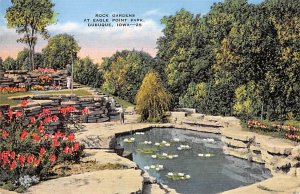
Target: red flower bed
26, 148
291, 132
45, 70
8, 89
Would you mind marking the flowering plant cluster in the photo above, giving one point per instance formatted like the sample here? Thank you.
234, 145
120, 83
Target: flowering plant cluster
27, 148
291, 132
254, 124
45, 70
37, 88
45, 79
8, 89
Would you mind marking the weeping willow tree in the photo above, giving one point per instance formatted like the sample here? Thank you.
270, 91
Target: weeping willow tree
152, 98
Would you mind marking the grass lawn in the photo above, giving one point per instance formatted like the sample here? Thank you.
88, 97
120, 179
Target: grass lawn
77, 92
4, 98
122, 102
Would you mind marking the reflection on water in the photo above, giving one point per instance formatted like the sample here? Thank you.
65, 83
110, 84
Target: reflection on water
208, 174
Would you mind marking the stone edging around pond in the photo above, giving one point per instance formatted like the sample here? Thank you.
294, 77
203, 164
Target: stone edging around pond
279, 155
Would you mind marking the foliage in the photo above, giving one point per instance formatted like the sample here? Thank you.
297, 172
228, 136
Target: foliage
60, 51
23, 59
28, 149
152, 99
195, 97
10, 64
88, 73
30, 17
247, 56
124, 71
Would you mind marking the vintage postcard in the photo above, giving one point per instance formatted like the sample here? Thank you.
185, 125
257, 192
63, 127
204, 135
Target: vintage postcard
149, 96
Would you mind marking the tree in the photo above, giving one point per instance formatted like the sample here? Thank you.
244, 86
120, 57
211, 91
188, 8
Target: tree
30, 17
152, 99
1, 63
23, 59
125, 71
60, 51
88, 73
9, 64
180, 48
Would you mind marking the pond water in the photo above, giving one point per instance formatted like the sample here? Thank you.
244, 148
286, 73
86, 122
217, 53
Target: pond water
204, 166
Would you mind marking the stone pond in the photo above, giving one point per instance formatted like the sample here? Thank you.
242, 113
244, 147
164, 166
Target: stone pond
189, 161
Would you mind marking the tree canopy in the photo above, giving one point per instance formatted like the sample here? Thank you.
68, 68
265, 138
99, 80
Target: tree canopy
30, 17
60, 51
152, 99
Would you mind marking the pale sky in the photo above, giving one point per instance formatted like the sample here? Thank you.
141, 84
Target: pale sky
98, 42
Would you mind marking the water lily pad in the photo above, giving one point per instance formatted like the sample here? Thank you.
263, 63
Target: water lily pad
164, 156
129, 140
178, 176
156, 167
147, 150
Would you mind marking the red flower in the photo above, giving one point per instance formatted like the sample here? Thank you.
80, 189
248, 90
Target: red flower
41, 127
66, 150
85, 111
55, 143
76, 146
36, 137
48, 119
23, 134
10, 114
13, 165
18, 114
32, 120
45, 111
4, 134
71, 137
12, 155
24, 103
52, 158
36, 162
46, 136
70, 150
42, 151
30, 159
55, 118
22, 159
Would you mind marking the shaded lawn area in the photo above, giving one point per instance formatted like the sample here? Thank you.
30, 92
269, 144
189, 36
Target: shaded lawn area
122, 102
4, 98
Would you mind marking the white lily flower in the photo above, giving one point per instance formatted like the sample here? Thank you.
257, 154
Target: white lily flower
157, 144
153, 156
180, 174
176, 139
201, 155
175, 156
146, 167
170, 157
157, 169
179, 148
126, 140
207, 155
164, 154
167, 144
132, 139
160, 166
187, 176
164, 142
170, 173
152, 166
149, 142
